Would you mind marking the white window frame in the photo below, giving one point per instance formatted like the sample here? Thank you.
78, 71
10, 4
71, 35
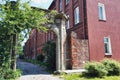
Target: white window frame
60, 5
68, 23
67, 1
76, 15
108, 42
102, 13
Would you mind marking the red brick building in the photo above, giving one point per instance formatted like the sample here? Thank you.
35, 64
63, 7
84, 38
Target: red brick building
93, 31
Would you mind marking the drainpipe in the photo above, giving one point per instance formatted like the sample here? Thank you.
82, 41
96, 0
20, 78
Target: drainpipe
34, 57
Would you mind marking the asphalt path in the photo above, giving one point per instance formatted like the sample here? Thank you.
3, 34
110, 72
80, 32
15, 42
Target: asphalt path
34, 72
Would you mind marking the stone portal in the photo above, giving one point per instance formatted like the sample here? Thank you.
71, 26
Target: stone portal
59, 28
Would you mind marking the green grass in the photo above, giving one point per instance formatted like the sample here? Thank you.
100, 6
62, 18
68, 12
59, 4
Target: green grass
80, 77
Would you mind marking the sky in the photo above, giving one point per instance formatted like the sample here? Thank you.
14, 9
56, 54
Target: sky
41, 3
38, 3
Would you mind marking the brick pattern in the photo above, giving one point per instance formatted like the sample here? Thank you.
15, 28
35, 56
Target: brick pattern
36, 41
79, 51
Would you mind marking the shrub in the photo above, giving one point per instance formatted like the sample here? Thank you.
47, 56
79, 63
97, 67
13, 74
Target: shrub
40, 57
11, 74
50, 50
112, 66
21, 56
95, 69
1, 74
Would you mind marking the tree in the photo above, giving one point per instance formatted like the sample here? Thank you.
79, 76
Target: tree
16, 17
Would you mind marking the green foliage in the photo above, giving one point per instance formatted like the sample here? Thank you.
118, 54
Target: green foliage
4, 50
32, 61
8, 74
21, 56
112, 66
19, 44
36, 62
11, 74
4, 59
40, 57
16, 17
50, 50
95, 69
107, 67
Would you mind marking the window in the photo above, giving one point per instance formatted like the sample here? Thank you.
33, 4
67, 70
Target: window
67, 23
60, 5
76, 15
67, 1
107, 46
101, 10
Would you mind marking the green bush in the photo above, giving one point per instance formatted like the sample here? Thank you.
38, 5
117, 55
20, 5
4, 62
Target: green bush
11, 74
112, 66
32, 61
95, 69
21, 56
8, 74
50, 50
40, 57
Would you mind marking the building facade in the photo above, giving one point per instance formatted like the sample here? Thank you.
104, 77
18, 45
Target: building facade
93, 31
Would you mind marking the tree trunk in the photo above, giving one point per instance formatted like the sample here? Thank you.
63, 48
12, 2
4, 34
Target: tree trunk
13, 52
11, 47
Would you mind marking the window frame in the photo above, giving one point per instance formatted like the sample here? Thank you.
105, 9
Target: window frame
60, 5
67, 2
76, 15
68, 22
101, 13
109, 46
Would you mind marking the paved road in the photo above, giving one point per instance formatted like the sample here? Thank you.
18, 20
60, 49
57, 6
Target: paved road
34, 72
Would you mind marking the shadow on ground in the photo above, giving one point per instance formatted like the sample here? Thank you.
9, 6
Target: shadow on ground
30, 69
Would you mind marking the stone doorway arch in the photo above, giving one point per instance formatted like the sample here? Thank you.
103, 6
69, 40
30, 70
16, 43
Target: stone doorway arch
59, 28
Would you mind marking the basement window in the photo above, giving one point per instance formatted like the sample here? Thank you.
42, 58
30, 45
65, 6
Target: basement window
107, 46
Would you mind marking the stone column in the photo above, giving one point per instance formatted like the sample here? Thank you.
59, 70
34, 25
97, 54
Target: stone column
58, 59
58, 54
62, 43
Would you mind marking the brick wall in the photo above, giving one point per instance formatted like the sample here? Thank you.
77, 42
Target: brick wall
98, 29
79, 51
36, 41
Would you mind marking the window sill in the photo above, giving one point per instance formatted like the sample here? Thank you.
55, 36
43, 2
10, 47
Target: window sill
108, 54
66, 4
77, 24
102, 20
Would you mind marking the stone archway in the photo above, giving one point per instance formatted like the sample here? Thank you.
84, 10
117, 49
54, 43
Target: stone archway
59, 29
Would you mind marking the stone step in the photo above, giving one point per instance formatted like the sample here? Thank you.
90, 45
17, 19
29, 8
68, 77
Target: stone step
74, 71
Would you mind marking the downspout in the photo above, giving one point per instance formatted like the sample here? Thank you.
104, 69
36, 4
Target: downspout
86, 23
